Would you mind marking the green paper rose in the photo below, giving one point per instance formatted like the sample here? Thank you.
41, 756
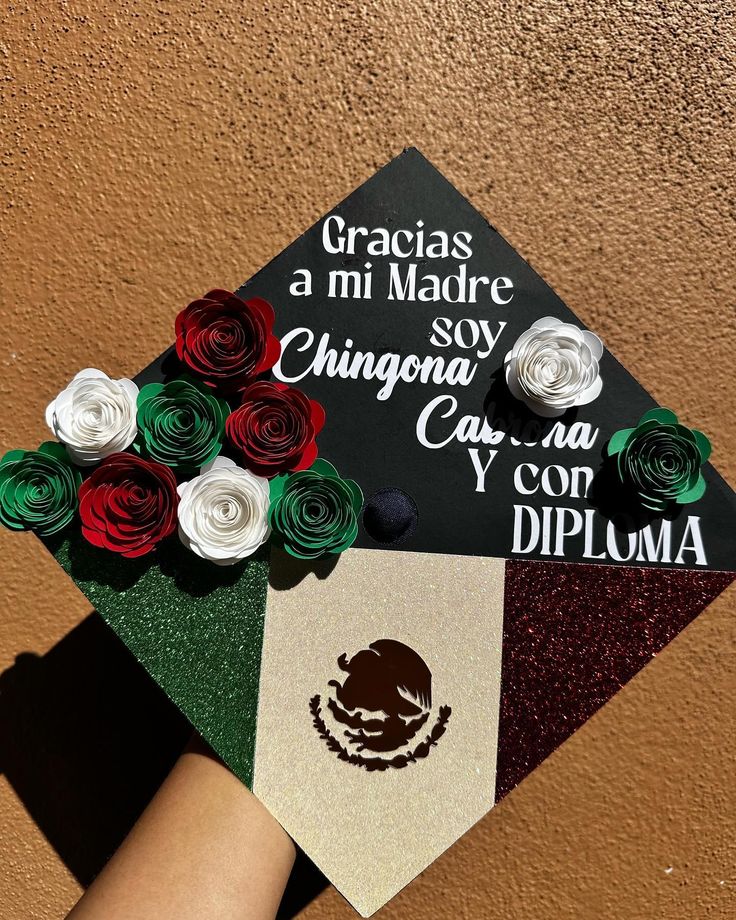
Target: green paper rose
314, 512
660, 460
180, 423
38, 489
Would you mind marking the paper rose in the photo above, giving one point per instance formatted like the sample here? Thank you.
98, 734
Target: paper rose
660, 460
128, 505
274, 428
180, 423
553, 366
223, 512
94, 416
314, 512
38, 489
227, 341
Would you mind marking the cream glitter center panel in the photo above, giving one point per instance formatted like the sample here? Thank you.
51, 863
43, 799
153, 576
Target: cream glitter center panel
372, 832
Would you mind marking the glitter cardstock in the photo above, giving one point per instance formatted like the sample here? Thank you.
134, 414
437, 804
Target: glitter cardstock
520, 556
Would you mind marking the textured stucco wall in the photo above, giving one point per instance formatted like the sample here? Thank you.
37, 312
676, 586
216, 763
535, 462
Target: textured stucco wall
152, 150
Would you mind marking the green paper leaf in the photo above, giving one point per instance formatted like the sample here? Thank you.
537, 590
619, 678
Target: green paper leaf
686, 434
12, 456
647, 425
276, 487
693, 494
324, 468
704, 445
149, 391
661, 415
54, 449
618, 441
357, 494
299, 476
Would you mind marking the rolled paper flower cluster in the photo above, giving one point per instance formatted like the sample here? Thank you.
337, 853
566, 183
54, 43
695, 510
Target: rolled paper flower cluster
38, 489
315, 512
275, 428
660, 459
227, 341
223, 512
141, 440
180, 423
94, 416
553, 366
128, 505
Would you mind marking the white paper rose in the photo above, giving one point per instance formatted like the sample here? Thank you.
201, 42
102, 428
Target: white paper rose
223, 512
94, 416
554, 366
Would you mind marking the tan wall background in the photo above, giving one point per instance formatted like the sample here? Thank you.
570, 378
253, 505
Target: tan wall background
150, 151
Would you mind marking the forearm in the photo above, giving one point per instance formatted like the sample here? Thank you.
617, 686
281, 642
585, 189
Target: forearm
204, 847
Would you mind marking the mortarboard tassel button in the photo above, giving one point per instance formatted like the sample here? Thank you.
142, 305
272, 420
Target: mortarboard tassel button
390, 516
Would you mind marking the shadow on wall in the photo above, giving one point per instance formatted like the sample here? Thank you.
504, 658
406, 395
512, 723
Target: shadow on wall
86, 738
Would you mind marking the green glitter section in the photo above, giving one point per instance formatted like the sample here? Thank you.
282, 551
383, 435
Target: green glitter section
196, 627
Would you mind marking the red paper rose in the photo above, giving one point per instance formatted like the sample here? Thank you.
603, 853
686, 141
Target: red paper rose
227, 341
128, 504
275, 428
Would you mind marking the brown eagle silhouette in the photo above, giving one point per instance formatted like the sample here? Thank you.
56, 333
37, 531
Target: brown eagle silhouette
388, 679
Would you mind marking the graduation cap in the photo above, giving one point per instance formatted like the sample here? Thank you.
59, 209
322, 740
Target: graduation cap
486, 529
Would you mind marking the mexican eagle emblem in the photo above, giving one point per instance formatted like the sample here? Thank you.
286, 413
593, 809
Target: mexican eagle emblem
379, 707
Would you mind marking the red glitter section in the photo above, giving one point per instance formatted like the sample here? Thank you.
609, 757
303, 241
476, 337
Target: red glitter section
573, 636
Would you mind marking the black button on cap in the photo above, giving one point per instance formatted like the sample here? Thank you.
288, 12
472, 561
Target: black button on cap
390, 516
